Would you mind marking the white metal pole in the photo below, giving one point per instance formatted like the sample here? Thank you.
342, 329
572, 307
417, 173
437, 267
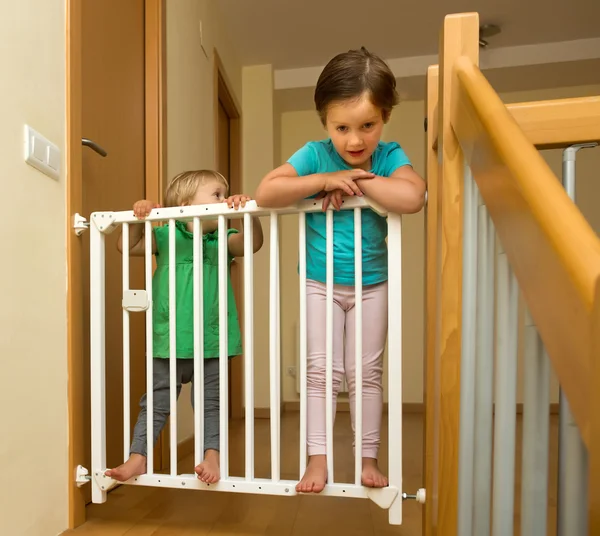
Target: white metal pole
198, 343
126, 350
149, 353
506, 402
303, 340
573, 456
172, 348
536, 416
484, 375
273, 350
329, 347
467, 361
358, 311
395, 361
223, 349
249, 342
97, 357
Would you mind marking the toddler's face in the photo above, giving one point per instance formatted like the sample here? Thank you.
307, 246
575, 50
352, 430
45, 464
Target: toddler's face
355, 128
212, 191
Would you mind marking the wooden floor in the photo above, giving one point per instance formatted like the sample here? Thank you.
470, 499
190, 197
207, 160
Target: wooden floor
137, 511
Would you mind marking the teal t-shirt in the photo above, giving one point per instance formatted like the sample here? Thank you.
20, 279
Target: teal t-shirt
321, 157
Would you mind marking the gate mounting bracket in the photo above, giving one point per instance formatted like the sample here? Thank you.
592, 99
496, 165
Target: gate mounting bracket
82, 476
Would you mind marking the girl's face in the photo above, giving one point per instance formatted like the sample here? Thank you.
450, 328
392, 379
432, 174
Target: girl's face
355, 128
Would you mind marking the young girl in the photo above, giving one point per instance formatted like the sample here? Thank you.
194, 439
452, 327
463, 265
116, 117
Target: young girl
188, 188
354, 98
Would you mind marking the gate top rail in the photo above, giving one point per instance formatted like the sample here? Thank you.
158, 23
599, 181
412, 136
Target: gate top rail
106, 222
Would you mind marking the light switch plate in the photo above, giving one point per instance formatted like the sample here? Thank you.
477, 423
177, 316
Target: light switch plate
41, 153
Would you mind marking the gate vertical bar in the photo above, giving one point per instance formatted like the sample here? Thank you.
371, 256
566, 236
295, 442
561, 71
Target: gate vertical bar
149, 352
198, 343
484, 374
572, 455
98, 357
329, 347
395, 362
126, 350
536, 417
172, 349
303, 340
223, 349
506, 401
467, 372
273, 350
358, 327
249, 342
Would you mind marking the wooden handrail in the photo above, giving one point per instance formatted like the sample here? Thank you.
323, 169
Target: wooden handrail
556, 260
552, 124
559, 123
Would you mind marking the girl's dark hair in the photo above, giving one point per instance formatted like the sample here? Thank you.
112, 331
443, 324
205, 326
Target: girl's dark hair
349, 75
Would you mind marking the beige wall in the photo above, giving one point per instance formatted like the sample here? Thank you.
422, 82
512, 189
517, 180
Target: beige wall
257, 160
190, 106
33, 358
406, 127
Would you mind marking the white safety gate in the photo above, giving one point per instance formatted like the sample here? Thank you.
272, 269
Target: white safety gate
138, 300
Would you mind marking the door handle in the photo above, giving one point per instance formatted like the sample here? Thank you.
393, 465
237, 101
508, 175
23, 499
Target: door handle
94, 146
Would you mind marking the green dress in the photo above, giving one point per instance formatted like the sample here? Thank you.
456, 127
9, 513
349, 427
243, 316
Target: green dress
184, 295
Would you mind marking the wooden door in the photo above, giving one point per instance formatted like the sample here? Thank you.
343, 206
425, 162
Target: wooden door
112, 116
115, 95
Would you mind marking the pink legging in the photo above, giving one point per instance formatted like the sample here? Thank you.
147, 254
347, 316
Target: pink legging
375, 309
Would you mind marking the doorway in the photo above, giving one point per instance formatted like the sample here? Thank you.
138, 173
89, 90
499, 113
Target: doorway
228, 162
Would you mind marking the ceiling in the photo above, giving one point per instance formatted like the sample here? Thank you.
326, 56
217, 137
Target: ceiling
507, 80
290, 34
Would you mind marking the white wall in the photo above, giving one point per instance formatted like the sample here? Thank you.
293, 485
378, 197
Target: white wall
406, 127
33, 357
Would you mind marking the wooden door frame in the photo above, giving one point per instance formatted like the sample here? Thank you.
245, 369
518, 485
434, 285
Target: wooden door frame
223, 91
155, 149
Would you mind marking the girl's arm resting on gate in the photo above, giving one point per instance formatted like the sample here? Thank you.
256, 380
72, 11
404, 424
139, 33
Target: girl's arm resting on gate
283, 187
235, 242
403, 192
137, 242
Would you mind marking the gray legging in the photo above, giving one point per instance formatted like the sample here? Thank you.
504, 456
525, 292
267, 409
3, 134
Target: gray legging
162, 405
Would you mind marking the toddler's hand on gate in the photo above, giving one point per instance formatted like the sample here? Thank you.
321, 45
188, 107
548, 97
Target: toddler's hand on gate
345, 181
142, 208
334, 198
235, 201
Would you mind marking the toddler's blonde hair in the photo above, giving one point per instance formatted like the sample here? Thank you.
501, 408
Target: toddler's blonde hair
182, 188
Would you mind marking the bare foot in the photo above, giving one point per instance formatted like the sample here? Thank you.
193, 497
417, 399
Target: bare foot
134, 466
371, 476
209, 471
315, 477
